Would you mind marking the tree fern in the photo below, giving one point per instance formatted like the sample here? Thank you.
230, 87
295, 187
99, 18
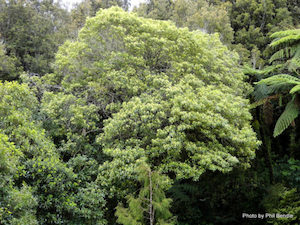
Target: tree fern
287, 58
287, 44
290, 113
261, 92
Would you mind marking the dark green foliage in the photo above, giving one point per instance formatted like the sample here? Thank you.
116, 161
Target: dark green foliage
129, 90
32, 31
283, 201
9, 69
59, 196
287, 171
196, 15
287, 117
220, 199
253, 21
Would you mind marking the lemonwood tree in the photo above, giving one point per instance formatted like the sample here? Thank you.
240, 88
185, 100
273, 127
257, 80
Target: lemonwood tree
178, 97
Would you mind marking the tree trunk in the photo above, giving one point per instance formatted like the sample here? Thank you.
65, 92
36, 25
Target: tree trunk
151, 211
267, 147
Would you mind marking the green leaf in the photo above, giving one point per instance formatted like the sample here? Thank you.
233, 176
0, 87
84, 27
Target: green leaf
295, 89
280, 79
290, 113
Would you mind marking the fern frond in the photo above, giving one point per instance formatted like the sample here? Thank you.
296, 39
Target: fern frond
284, 33
260, 74
258, 103
280, 100
288, 52
270, 69
263, 101
183, 192
295, 89
285, 41
248, 70
280, 79
294, 50
280, 54
294, 64
279, 88
261, 92
290, 113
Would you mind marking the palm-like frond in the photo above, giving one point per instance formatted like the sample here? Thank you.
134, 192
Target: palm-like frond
288, 45
281, 54
281, 83
287, 117
294, 50
258, 103
285, 33
280, 79
294, 63
261, 92
286, 41
279, 88
263, 101
287, 38
295, 89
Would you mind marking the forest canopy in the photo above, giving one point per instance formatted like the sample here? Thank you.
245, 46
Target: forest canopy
111, 117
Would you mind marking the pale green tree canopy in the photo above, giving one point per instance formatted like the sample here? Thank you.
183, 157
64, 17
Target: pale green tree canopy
174, 98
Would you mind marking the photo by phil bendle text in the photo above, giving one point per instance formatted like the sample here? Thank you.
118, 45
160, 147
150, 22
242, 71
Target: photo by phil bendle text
265, 215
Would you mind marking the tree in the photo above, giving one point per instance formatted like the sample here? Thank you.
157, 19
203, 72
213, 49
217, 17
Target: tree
196, 15
151, 206
89, 8
200, 15
145, 89
132, 62
46, 188
17, 206
156, 9
181, 130
32, 31
8, 65
254, 21
120, 63
137, 67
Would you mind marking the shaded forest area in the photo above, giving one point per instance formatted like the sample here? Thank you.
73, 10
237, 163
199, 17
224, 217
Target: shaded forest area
182, 112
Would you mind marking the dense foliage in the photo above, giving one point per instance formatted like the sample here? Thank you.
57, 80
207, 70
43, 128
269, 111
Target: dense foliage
139, 120
31, 32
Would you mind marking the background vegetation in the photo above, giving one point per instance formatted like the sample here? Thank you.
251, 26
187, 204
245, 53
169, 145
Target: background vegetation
183, 112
